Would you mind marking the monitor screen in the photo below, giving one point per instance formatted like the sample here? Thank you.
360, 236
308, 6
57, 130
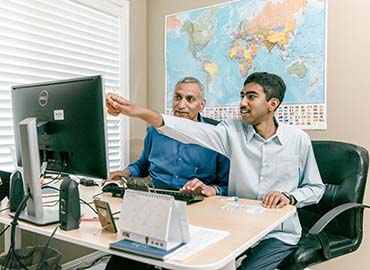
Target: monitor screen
71, 124
63, 124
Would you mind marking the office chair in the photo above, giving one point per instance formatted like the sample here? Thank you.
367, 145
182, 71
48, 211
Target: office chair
333, 227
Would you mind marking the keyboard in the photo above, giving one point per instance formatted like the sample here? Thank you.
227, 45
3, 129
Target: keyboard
189, 198
181, 196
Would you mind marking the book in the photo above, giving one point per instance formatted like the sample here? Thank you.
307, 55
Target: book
136, 248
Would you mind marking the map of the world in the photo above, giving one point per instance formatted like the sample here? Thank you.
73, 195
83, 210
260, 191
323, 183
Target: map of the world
222, 44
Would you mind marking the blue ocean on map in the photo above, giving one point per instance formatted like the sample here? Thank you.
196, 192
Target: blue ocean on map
222, 44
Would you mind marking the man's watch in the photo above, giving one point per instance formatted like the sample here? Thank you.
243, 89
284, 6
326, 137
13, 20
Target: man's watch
217, 188
290, 197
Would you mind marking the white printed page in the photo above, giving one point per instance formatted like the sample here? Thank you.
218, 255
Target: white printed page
200, 238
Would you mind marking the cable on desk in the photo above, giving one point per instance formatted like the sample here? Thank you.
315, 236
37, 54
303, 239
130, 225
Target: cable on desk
89, 206
115, 213
96, 195
4, 209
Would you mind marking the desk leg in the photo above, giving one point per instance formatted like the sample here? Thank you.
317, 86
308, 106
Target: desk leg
229, 266
7, 239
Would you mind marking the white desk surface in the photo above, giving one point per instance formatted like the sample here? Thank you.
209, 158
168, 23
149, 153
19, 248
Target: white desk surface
245, 229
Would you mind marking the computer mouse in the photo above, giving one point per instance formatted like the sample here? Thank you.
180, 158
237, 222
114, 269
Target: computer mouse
111, 186
116, 189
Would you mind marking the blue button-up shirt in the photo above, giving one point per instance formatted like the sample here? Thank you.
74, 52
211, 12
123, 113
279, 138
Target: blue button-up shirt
171, 164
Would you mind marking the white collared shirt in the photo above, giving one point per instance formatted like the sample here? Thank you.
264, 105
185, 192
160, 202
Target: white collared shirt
284, 162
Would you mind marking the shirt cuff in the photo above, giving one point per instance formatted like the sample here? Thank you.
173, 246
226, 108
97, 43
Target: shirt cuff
299, 196
223, 190
133, 171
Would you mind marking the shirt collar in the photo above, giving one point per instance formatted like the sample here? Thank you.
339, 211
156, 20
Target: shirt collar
280, 132
251, 132
200, 118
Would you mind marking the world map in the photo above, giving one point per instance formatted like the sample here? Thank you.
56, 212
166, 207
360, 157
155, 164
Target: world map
222, 44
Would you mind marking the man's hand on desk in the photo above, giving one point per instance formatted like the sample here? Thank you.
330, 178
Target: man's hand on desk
116, 175
196, 186
275, 199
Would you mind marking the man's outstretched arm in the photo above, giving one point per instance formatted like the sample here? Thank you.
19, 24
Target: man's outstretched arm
117, 105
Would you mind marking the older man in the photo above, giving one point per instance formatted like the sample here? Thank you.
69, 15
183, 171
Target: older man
175, 165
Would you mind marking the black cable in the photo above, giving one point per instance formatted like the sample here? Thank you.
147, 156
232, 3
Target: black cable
51, 187
6, 228
4, 209
14, 223
96, 261
46, 247
96, 195
56, 177
115, 213
89, 206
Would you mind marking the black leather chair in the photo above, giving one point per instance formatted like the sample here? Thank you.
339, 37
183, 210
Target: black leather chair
333, 227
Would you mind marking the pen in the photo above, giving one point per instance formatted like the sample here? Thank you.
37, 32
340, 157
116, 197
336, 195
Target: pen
232, 198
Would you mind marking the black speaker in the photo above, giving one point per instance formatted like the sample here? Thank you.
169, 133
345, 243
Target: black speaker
16, 191
4, 184
69, 205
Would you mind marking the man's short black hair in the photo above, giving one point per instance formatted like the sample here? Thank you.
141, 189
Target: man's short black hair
272, 84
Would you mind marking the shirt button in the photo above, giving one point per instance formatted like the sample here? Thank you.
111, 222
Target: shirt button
176, 176
180, 159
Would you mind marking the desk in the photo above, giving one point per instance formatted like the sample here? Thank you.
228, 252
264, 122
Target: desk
245, 229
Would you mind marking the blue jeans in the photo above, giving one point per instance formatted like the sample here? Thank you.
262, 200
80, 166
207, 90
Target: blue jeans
267, 255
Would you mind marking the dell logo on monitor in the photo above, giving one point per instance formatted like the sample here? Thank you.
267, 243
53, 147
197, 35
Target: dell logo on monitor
43, 98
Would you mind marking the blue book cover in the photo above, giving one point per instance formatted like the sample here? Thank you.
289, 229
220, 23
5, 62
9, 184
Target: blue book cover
142, 249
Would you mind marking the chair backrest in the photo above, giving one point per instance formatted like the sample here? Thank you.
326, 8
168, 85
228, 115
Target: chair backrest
343, 168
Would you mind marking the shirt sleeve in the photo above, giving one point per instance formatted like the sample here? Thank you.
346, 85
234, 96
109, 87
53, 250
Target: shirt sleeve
310, 188
140, 168
187, 131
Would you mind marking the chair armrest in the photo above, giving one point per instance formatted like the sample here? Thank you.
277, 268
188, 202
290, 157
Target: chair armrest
333, 213
317, 228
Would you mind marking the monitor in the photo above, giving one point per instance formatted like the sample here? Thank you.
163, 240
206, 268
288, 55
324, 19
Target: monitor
69, 122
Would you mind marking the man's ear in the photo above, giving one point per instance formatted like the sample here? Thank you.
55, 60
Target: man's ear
274, 103
202, 105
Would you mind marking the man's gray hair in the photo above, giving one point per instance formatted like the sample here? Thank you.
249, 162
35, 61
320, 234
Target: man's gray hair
191, 80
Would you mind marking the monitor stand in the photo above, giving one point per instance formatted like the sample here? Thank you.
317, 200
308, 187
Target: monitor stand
35, 212
50, 216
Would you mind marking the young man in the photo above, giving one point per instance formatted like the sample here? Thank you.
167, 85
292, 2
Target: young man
270, 161
175, 165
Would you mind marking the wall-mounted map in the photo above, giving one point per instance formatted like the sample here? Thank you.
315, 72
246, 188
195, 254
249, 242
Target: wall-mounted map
222, 44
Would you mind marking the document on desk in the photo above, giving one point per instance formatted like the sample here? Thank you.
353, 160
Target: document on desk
200, 238
244, 208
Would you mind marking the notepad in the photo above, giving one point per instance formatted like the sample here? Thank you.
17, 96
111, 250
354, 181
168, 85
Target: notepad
136, 248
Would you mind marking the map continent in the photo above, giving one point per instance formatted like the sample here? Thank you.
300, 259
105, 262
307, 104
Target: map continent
222, 44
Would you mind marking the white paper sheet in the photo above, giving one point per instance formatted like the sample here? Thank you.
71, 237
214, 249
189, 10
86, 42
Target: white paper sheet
200, 238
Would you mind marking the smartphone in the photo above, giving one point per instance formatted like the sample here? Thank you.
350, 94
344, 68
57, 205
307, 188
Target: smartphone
105, 216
